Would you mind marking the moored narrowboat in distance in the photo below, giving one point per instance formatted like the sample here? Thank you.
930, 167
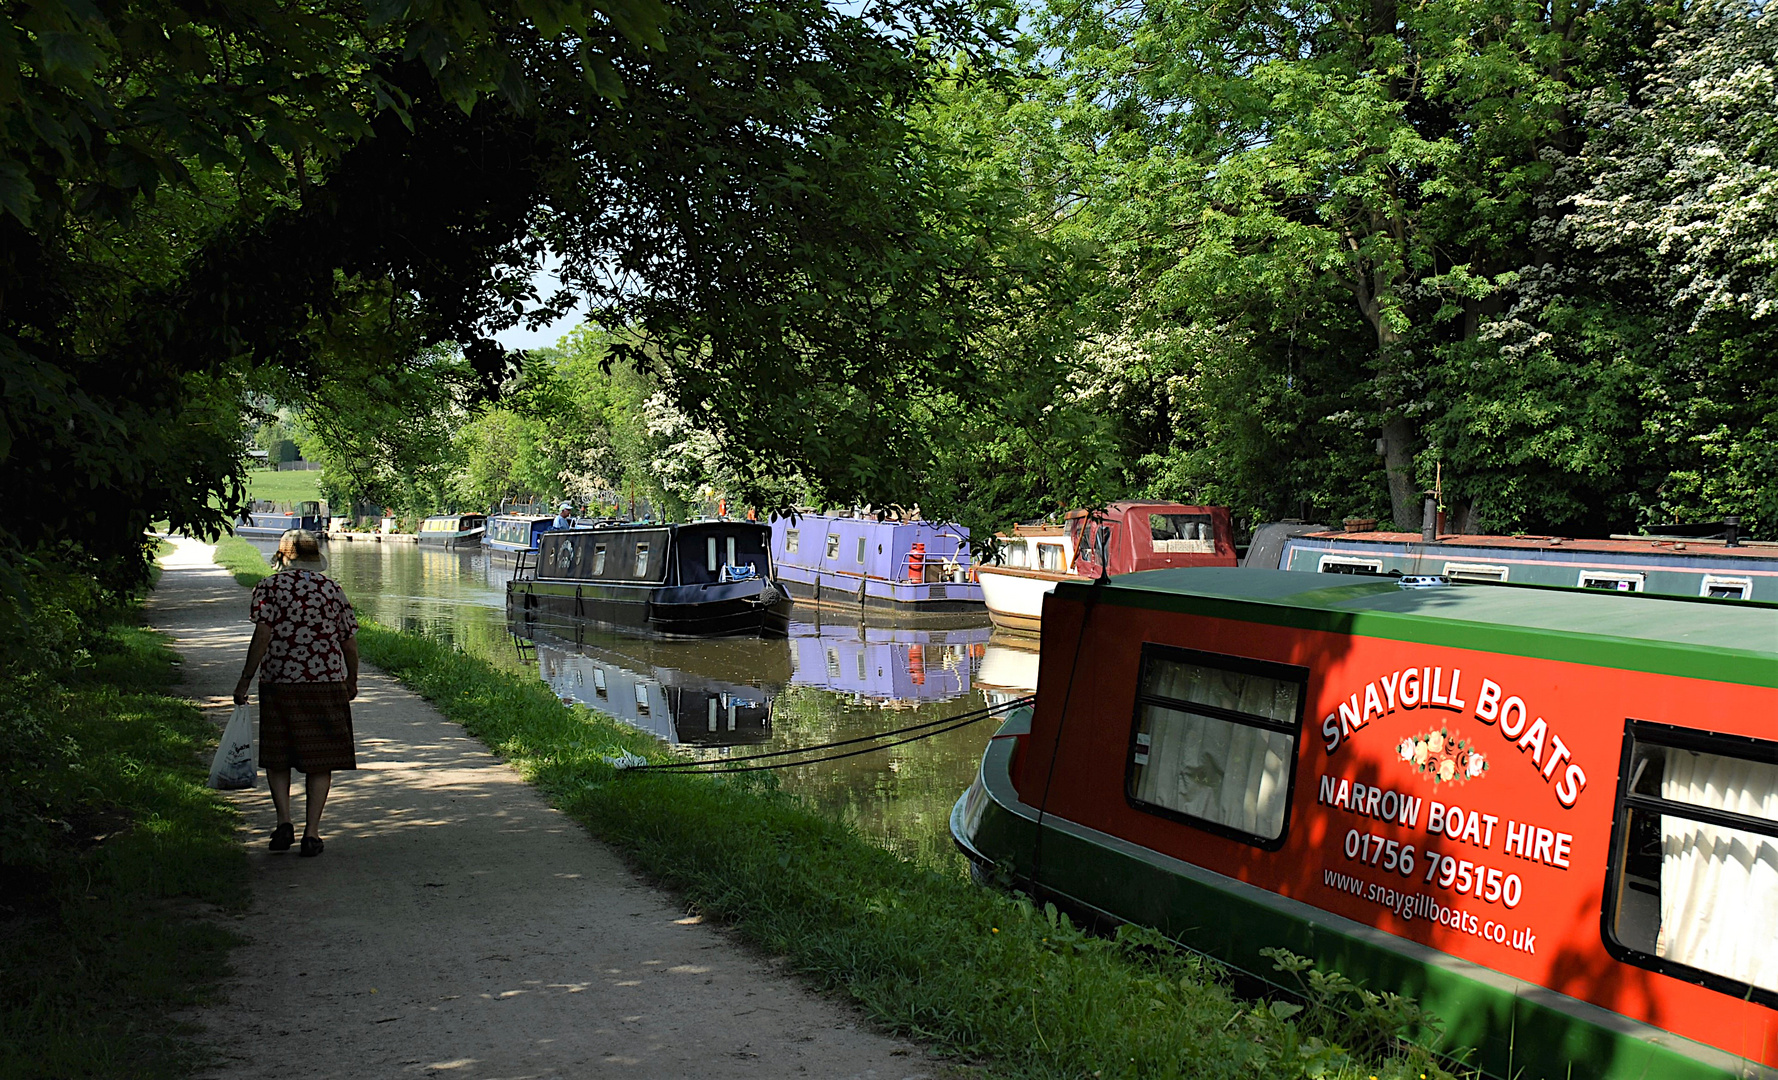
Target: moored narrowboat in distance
511, 534
1033, 559
702, 579
449, 530
271, 524
1551, 816
1724, 568
910, 572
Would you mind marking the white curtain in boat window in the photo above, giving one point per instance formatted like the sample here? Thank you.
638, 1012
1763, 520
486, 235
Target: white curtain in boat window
1230, 773
1719, 887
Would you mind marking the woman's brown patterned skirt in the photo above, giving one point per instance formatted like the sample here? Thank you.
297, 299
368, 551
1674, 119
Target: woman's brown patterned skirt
305, 726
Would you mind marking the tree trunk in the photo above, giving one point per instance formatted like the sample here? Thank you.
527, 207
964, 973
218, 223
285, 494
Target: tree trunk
1398, 459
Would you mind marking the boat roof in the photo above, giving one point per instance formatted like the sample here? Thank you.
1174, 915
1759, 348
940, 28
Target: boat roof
1719, 640
1616, 545
1117, 511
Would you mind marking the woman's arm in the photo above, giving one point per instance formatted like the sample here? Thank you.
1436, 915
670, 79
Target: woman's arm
351, 650
262, 637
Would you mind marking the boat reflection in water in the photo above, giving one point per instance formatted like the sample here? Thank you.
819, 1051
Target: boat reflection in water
890, 667
697, 693
1009, 668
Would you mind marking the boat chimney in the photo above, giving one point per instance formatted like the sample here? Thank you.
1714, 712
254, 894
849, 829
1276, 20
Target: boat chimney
1429, 519
1731, 532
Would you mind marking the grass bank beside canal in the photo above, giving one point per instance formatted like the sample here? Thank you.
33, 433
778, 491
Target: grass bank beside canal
973, 972
240, 558
111, 848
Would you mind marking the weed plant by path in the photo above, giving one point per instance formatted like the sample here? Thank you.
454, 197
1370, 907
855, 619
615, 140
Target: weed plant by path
104, 884
975, 972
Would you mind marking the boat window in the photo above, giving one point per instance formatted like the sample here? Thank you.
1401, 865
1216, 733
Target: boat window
1050, 557
1335, 564
1470, 571
1726, 588
710, 552
1015, 553
598, 560
1590, 579
642, 698
732, 561
1182, 533
833, 545
642, 560
789, 540
599, 681
1695, 859
1215, 741
861, 549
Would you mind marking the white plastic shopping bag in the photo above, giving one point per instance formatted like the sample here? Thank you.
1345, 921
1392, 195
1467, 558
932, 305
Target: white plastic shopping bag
233, 767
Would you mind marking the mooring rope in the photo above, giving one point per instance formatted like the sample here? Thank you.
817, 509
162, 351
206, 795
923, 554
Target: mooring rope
926, 730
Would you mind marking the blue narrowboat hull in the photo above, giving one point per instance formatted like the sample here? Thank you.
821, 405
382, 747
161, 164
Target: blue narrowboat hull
273, 526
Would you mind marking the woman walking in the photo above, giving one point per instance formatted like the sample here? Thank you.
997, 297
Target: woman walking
305, 635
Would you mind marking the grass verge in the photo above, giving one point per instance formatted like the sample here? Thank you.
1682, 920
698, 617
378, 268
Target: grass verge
102, 934
975, 973
242, 559
297, 485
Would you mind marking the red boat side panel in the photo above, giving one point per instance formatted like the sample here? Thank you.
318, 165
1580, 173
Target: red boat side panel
1502, 862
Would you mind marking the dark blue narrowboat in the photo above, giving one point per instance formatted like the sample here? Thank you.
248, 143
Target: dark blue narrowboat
702, 579
272, 524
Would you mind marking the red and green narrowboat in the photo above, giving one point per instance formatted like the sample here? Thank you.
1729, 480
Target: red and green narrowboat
1549, 815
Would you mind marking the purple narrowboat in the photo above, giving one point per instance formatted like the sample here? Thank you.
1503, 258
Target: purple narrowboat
915, 572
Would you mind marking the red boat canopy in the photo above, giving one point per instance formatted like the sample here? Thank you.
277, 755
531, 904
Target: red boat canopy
1154, 536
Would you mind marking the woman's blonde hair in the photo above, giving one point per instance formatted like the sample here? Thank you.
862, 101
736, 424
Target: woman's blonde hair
298, 545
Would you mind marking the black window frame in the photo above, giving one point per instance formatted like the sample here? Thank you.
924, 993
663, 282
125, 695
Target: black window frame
1704, 742
1247, 665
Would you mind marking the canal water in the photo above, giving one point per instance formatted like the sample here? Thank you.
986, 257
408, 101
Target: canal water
831, 679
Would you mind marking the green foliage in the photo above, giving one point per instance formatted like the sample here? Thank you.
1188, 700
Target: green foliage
971, 971
313, 204
107, 837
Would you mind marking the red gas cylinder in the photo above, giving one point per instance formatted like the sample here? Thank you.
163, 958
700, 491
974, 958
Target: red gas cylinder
917, 664
917, 562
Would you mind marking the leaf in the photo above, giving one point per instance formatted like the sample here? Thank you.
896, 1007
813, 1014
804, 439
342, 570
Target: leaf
1284, 1010
17, 196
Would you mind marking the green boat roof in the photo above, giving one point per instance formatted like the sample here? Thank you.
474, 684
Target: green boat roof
1723, 640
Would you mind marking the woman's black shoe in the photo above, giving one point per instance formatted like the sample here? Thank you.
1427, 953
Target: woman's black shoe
312, 846
283, 836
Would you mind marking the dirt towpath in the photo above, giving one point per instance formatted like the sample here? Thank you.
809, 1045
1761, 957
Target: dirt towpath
457, 926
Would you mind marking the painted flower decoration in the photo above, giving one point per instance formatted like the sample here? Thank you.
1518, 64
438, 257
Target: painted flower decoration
1444, 756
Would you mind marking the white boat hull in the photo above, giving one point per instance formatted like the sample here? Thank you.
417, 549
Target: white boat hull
1015, 598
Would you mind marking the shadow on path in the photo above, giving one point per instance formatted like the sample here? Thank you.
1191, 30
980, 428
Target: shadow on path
459, 927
